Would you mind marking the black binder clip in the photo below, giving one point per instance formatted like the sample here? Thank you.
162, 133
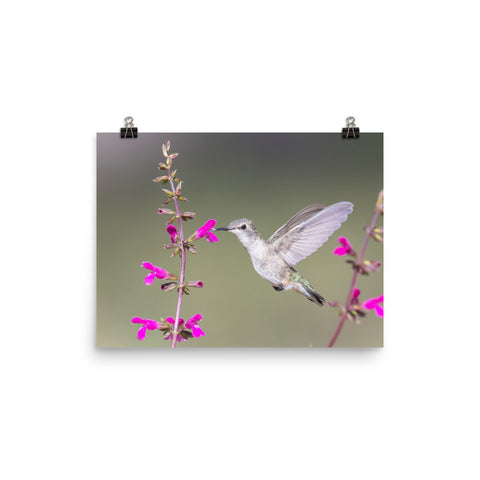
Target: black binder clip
351, 131
129, 131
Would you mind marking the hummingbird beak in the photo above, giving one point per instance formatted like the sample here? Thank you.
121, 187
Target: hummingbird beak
225, 229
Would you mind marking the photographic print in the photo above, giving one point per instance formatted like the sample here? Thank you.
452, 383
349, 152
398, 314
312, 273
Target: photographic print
239, 240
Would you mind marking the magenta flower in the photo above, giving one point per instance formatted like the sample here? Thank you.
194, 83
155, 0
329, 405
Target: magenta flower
147, 324
373, 304
345, 249
170, 335
356, 294
192, 323
156, 272
172, 232
204, 231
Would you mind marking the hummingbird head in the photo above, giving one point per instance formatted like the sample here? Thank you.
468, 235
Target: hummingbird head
243, 228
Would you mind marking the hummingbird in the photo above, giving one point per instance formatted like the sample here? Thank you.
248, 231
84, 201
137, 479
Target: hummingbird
305, 232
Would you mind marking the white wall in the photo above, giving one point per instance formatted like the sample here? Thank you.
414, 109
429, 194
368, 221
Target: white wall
70, 70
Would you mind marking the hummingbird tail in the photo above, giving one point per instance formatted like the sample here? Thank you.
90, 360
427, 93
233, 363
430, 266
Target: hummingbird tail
301, 285
313, 295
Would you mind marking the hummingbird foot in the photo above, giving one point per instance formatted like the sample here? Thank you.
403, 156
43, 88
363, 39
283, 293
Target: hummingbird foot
278, 288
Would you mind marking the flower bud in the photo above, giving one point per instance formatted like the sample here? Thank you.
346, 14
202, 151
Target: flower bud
178, 190
379, 205
166, 211
163, 179
168, 287
191, 248
188, 216
371, 265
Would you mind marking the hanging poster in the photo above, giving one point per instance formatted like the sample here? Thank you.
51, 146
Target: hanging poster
239, 240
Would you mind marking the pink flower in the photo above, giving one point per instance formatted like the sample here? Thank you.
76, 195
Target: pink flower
147, 324
373, 303
204, 231
170, 335
182, 327
156, 272
345, 249
172, 232
171, 321
192, 323
356, 294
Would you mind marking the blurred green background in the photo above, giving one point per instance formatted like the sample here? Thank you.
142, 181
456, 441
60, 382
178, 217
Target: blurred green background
267, 177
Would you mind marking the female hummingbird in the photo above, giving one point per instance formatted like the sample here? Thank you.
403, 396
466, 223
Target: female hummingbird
305, 232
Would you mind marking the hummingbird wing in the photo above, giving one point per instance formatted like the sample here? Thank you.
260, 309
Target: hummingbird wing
308, 230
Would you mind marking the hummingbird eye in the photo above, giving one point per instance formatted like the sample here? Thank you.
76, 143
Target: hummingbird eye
243, 227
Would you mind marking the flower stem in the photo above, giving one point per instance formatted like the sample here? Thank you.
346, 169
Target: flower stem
183, 257
378, 209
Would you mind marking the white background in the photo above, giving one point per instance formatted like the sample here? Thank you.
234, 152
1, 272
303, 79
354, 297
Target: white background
70, 70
